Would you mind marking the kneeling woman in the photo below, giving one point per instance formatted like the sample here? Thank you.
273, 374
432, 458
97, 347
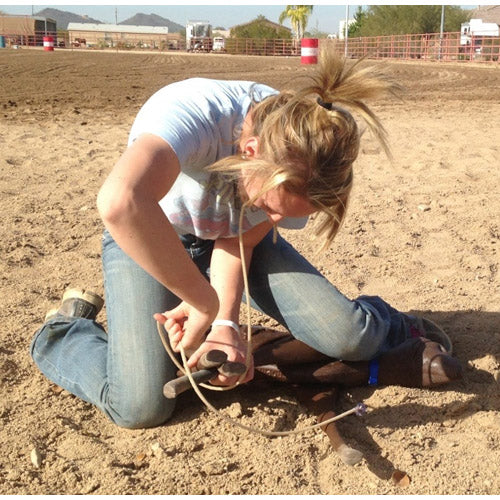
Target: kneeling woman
200, 152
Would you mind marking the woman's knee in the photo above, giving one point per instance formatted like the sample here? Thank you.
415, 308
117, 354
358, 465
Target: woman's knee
367, 333
351, 334
143, 416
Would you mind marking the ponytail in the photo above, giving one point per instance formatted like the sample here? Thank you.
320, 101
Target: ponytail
309, 139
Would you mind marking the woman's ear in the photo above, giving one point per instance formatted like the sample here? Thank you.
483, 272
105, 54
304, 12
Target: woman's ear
250, 146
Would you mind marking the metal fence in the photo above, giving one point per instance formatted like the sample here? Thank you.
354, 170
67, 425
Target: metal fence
433, 46
121, 41
262, 47
34, 39
64, 40
429, 46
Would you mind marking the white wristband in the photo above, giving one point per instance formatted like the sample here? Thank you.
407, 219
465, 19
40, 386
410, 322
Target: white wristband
227, 322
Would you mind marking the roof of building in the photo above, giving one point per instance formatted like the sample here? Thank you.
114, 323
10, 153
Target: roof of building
224, 33
35, 18
118, 28
488, 14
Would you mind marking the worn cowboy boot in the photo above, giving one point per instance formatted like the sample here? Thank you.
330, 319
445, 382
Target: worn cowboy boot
77, 303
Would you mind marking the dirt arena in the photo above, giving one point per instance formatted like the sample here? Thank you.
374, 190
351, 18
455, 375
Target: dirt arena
423, 232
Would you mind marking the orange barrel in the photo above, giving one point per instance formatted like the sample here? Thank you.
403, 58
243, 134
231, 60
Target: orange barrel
48, 43
309, 51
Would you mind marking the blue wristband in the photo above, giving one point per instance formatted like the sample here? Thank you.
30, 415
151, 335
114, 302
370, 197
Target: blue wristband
374, 366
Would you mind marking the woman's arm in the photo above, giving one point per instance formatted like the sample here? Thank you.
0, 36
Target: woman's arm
128, 205
227, 279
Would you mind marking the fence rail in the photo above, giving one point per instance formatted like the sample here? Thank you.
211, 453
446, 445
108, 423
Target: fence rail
429, 46
262, 47
33, 39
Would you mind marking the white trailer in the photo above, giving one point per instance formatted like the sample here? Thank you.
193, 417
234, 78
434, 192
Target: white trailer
475, 28
219, 44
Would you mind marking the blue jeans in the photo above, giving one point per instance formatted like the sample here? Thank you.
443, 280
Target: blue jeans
123, 372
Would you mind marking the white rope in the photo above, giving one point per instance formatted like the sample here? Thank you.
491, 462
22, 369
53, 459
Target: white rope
358, 409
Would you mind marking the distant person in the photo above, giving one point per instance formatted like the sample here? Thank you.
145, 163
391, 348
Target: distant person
206, 161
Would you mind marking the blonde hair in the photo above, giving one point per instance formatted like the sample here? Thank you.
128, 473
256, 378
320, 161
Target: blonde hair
308, 142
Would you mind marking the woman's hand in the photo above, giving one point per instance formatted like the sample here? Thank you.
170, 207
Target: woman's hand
225, 338
186, 325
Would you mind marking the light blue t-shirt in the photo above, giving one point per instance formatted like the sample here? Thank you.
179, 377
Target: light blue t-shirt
201, 119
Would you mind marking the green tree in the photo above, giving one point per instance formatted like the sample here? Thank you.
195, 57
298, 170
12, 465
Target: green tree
454, 17
298, 15
355, 27
260, 28
405, 19
315, 33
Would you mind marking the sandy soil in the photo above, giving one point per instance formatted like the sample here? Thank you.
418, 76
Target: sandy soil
422, 232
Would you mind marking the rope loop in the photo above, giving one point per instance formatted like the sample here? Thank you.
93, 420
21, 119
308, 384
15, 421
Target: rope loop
185, 368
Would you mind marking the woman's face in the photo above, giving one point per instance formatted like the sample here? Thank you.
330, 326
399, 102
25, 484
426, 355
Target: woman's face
277, 203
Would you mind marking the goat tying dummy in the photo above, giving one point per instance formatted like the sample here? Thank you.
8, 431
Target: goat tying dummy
421, 361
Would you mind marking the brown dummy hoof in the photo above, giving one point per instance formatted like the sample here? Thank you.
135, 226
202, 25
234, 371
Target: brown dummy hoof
349, 455
418, 362
438, 367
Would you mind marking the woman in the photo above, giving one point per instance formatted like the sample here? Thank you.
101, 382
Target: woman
200, 152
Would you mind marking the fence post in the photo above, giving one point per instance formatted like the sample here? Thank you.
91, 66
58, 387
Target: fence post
441, 32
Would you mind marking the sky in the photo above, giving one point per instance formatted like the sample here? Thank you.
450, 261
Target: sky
325, 17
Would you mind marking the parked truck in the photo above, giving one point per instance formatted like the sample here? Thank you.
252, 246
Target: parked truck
199, 36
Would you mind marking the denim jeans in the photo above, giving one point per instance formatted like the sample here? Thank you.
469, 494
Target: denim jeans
123, 372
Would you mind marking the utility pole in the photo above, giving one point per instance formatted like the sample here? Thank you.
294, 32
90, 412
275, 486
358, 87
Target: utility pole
346, 29
116, 15
441, 33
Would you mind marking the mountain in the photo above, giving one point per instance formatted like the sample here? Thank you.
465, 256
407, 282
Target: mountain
153, 20
62, 18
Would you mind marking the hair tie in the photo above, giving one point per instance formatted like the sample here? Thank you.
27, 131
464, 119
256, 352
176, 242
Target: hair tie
331, 107
323, 104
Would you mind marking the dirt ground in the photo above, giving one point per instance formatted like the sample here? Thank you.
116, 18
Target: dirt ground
422, 232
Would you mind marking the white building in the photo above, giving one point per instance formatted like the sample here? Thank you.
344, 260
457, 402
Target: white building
342, 27
111, 35
118, 28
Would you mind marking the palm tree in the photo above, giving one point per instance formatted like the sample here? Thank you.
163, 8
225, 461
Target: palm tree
298, 15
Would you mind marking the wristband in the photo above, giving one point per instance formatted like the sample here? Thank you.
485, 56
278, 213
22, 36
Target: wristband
374, 366
227, 322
